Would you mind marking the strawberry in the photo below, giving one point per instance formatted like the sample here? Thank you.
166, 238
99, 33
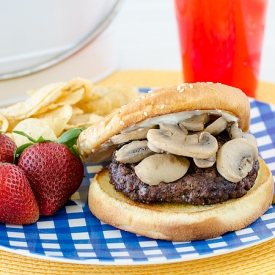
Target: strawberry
17, 201
54, 171
7, 148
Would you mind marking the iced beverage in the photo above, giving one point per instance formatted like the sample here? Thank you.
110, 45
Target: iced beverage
221, 41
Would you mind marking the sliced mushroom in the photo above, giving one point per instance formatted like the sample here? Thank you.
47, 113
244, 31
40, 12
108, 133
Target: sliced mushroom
161, 168
133, 152
133, 135
195, 123
154, 148
183, 128
235, 159
195, 146
217, 126
251, 138
235, 132
172, 129
205, 163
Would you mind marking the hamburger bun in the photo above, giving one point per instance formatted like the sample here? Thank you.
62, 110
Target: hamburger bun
179, 222
175, 221
93, 143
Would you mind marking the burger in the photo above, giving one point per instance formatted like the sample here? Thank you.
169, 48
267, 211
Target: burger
181, 164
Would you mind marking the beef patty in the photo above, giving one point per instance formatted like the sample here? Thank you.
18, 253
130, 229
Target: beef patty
198, 186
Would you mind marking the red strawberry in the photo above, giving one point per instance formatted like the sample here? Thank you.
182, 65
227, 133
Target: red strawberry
17, 202
54, 173
7, 148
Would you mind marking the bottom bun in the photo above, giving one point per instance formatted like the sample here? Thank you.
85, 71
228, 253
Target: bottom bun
175, 221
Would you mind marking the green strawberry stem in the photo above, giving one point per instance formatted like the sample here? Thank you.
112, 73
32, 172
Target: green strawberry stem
40, 139
68, 139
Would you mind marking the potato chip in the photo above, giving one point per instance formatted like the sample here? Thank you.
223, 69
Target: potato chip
77, 83
57, 118
70, 97
65, 111
101, 106
128, 93
9, 135
83, 120
108, 99
33, 127
57, 124
31, 92
66, 97
99, 91
87, 84
98, 103
45, 109
77, 111
12, 124
60, 106
95, 93
43, 97
116, 99
4, 124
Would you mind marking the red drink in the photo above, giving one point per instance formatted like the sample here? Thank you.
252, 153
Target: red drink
221, 41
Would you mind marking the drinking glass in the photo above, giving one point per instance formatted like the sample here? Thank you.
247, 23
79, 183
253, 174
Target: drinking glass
221, 41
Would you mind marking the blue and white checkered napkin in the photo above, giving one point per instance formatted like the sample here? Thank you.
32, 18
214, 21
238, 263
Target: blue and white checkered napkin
75, 235
263, 128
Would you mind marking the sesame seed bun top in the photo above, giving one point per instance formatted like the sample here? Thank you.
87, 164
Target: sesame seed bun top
94, 143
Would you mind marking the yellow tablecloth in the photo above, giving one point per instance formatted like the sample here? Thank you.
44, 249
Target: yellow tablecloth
259, 259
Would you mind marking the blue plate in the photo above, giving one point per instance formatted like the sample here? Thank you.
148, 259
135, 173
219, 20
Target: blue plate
75, 235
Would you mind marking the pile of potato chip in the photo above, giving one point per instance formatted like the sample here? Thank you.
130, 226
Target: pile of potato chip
57, 107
